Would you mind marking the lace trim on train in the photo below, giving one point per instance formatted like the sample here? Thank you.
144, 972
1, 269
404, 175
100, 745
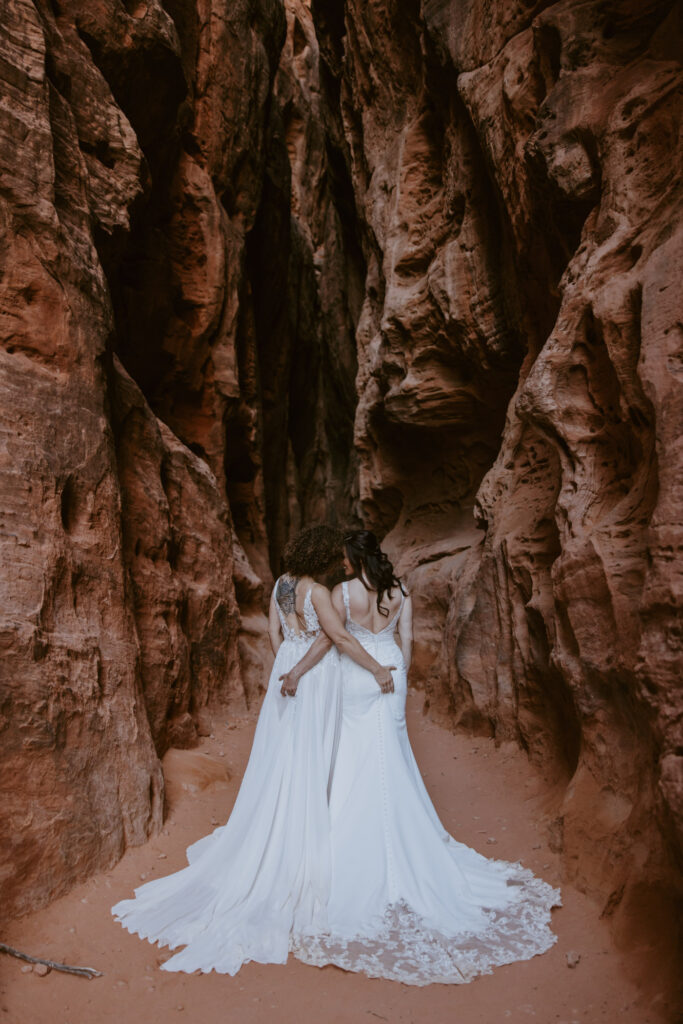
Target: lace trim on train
401, 947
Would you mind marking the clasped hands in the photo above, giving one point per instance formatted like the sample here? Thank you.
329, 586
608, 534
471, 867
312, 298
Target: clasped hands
383, 678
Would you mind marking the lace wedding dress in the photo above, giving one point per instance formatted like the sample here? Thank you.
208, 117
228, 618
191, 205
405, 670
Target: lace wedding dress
407, 901
261, 881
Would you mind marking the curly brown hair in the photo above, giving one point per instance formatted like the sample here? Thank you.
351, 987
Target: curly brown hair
314, 551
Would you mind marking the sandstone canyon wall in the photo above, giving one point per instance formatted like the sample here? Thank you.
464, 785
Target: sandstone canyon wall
409, 264
160, 305
517, 176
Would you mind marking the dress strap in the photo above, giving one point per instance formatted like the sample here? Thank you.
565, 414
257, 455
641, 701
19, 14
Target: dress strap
345, 592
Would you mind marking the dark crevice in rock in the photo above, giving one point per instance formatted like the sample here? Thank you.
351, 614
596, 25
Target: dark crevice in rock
149, 86
466, 211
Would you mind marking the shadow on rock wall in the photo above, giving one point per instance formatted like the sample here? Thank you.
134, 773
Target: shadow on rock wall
178, 362
409, 264
516, 176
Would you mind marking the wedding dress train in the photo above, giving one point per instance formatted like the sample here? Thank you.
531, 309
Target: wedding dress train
261, 881
407, 901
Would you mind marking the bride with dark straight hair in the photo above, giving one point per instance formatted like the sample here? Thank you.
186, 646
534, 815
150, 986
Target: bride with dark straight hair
407, 901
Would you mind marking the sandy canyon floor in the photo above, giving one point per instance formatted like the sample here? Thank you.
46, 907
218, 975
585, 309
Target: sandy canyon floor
487, 797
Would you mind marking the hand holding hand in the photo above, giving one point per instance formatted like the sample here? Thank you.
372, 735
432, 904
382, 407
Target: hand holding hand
384, 678
290, 682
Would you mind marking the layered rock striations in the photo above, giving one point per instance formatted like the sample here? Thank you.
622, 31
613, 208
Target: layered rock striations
80, 776
181, 279
127, 189
408, 264
517, 176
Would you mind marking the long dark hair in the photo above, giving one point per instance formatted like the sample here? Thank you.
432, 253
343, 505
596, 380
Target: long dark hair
370, 563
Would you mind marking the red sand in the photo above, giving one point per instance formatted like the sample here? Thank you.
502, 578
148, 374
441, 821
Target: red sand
480, 793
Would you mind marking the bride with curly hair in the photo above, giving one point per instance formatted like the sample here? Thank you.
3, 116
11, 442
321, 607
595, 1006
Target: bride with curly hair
257, 885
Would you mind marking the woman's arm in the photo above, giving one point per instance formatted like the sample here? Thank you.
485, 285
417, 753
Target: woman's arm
405, 630
338, 602
314, 654
274, 627
347, 644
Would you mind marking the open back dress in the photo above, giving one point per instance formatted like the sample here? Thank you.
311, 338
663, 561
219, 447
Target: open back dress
261, 882
407, 900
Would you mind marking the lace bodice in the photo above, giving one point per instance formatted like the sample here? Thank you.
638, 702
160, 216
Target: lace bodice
285, 599
362, 632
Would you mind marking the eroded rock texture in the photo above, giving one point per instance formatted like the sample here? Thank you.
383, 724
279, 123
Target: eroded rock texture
181, 280
517, 175
80, 776
131, 163
177, 547
411, 264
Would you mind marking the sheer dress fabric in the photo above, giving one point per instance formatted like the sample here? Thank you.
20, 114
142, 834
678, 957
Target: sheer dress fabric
407, 901
260, 882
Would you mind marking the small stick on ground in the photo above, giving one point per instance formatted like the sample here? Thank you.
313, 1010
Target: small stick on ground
84, 972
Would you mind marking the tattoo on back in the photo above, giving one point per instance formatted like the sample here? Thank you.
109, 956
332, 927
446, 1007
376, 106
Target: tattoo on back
286, 595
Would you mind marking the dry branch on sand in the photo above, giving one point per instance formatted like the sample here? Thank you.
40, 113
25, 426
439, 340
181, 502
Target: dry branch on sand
84, 972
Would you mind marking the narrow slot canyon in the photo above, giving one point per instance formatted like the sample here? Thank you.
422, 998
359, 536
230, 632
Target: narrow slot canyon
412, 265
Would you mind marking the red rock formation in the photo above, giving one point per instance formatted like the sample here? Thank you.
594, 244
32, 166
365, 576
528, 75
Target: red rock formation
177, 547
119, 560
515, 168
576, 505
80, 777
305, 243
473, 208
148, 223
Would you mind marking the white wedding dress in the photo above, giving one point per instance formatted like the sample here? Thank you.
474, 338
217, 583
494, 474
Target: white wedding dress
261, 882
407, 901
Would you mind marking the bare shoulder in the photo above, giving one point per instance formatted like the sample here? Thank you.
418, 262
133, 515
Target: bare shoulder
406, 616
319, 590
